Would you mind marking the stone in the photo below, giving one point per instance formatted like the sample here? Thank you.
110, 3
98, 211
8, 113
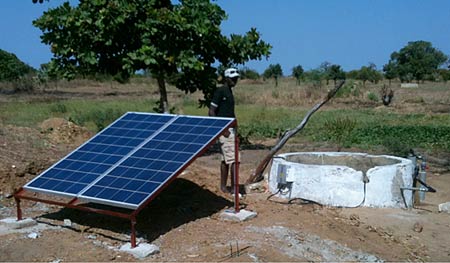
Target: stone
33, 235
67, 222
242, 215
418, 227
13, 223
444, 207
142, 250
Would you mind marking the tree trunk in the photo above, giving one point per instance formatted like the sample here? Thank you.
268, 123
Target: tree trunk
258, 175
163, 102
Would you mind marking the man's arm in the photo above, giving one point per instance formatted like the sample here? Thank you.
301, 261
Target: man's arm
212, 110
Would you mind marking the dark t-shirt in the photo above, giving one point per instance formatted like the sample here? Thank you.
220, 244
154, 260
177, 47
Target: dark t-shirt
223, 100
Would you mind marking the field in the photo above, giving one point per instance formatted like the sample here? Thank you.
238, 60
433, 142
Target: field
40, 128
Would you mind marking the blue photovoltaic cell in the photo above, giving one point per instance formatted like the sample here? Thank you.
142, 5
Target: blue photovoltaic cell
154, 163
131, 159
83, 166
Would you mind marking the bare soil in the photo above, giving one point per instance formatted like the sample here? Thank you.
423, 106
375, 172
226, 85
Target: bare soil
184, 219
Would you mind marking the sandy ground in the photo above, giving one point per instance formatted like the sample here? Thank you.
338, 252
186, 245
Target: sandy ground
183, 221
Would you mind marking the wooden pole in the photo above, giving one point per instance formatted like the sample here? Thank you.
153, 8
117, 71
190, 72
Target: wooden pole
258, 174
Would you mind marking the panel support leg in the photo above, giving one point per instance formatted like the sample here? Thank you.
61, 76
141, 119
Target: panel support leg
19, 210
236, 171
133, 232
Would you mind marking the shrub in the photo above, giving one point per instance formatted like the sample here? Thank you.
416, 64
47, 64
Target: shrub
58, 108
349, 89
339, 130
372, 96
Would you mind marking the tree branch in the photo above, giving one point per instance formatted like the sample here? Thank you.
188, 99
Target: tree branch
258, 175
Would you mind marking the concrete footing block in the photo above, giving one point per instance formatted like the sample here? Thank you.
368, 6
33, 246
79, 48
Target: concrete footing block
142, 250
242, 215
13, 223
444, 207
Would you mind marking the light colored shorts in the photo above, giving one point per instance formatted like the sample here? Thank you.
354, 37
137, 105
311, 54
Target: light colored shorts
227, 147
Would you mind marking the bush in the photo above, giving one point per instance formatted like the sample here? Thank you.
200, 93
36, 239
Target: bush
100, 117
349, 89
246, 73
339, 131
58, 108
372, 96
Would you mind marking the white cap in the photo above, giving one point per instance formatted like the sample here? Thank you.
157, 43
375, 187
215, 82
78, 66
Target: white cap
231, 73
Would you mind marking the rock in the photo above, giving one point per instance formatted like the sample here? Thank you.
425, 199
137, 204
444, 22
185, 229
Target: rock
444, 207
67, 222
33, 235
141, 251
418, 227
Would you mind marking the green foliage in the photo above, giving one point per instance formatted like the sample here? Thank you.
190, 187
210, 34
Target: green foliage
429, 136
352, 74
416, 61
369, 73
273, 71
297, 72
181, 41
315, 76
390, 71
335, 73
58, 107
397, 147
24, 84
246, 73
372, 97
339, 131
444, 74
350, 88
11, 68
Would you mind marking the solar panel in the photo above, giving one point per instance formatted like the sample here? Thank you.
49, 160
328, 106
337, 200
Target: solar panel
131, 159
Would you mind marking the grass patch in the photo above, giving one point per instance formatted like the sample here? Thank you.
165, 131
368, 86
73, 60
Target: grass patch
93, 114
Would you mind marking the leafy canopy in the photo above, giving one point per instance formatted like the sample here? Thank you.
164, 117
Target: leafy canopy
416, 61
369, 73
12, 68
181, 42
273, 71
297, 72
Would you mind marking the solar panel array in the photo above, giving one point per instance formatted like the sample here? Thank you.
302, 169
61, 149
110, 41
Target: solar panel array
131, 159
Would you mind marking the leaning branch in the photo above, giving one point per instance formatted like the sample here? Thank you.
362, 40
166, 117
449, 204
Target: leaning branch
258, 175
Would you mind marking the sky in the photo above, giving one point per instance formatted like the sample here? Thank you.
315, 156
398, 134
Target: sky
350, 33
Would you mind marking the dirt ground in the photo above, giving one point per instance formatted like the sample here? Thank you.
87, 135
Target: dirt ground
183, 221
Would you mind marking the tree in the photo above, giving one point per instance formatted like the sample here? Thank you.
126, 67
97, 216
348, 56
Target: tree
315, 76
12, 68
390, 71
369, 73
352, 74
416, 60
179, 41
324, 68
246, 73
273, 71
297, 72
335, 72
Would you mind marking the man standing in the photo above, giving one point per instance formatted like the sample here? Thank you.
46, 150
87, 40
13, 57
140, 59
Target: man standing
222, 105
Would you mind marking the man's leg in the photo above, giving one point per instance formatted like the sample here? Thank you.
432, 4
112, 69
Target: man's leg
232, 178
224, 176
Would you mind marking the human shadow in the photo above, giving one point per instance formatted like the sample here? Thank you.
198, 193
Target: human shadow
181, 202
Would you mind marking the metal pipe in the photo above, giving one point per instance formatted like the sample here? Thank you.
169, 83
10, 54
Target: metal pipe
236, 170
421, 189
19, 210
133, 232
